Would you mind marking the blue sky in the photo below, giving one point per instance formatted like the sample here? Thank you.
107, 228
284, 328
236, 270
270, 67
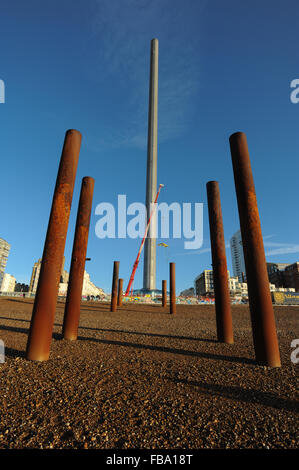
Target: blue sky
223, 67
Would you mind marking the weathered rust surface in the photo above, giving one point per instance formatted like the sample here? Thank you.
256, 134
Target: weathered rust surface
164, 293
113, 306
221, 289
76, 276
261, 308
41, 326
120, 292
172, 288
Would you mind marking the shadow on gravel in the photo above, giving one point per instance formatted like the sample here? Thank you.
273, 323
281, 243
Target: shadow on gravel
240, 394
184, 352
14, 328
191, 338
21, 300
14, 319
218, 357
10, 352
26, 330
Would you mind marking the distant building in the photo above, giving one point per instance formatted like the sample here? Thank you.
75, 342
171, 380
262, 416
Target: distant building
63, 288
291, 276
204, 285
4, 252
35, 275
273, 267
8, 283
237, 254
236, 287
273, 288
188, 292
88, 287
64, 276
276, 273
284, 275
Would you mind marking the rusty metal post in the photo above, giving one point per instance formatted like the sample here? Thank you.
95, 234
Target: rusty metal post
260, 303
41, 326
120, 292
172, 288
76, 277
164, 293
113, 307
220, 278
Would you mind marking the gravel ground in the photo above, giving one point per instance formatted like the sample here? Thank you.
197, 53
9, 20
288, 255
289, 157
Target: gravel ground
141, 378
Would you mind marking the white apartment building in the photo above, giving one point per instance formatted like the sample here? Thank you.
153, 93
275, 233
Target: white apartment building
4, 252
35, 275
8, 283
238, 262
89, 288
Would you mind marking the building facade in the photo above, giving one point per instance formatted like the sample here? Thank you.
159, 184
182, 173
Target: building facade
35, 276
36, 271
291, 276
236, 287
284, 275
8, 283
236, 248
204, 285
89, 288
276, 273
4, 252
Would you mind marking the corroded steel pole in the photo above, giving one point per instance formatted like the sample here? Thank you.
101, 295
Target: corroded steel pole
260, 303
164, 293
113, 307
76, 277
220, 278
120, 292
41, 326
172, 288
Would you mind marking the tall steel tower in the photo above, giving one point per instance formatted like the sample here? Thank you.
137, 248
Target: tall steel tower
149, 270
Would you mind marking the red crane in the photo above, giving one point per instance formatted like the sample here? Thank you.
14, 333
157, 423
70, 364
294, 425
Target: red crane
135, 265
